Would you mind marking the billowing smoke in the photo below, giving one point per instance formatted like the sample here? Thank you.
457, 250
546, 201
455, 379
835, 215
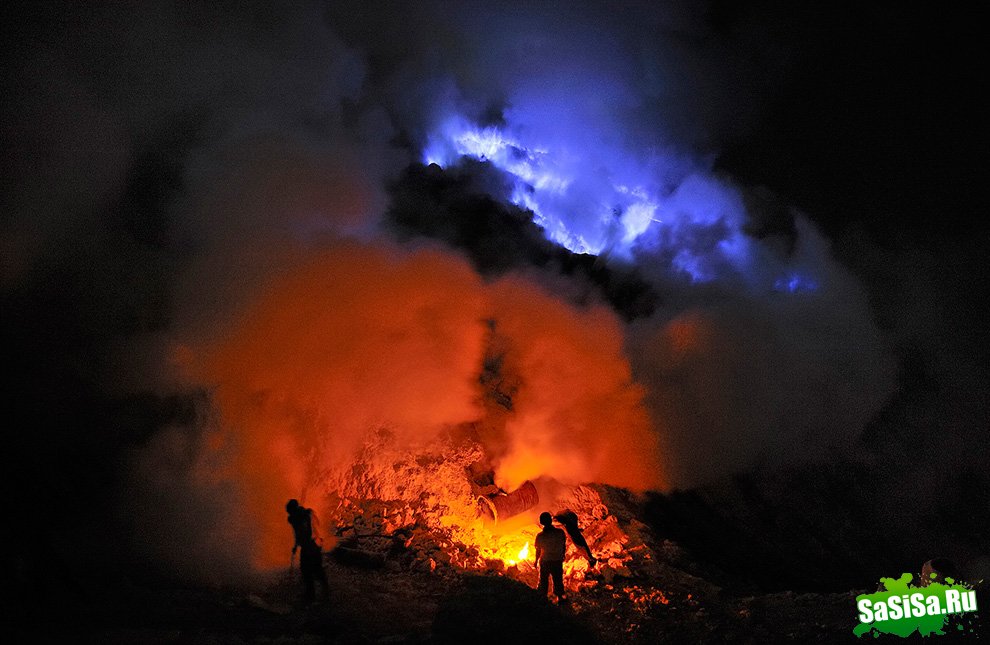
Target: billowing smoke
351, 341
762, 349
218, 229
360, 338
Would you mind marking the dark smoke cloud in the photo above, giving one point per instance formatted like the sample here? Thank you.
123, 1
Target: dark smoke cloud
161, 159
685, 74
466, 207
165, 161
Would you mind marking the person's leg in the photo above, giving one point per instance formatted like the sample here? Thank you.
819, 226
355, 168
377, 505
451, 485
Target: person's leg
309, 591
544, 578
322, 579
558, 579
310, 572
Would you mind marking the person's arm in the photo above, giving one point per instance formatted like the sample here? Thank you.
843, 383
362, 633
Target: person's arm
295, 536
314, 523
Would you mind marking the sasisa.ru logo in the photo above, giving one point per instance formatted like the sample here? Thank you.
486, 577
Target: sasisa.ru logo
902, 608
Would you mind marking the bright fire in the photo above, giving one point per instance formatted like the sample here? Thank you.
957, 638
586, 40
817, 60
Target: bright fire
524, 552
522, 556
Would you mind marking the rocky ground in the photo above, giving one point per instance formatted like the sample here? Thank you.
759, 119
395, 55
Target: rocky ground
648, 589
383, 606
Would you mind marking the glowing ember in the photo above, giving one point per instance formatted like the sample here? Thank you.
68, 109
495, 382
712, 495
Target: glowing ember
425, 509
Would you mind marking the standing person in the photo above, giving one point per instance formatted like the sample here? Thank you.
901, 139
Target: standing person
550, 544
311, 557
569, 519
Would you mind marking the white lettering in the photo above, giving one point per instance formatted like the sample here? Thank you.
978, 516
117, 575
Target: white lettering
915, 605
896, 612
969, 601
952, 601
865, 613
880, 611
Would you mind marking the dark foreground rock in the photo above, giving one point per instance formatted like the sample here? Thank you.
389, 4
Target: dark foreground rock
444, 606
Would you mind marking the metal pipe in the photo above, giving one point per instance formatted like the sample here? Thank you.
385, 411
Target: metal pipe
506, 505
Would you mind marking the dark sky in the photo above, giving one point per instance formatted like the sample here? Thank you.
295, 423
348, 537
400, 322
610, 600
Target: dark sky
881, 119
870, 112
149, 149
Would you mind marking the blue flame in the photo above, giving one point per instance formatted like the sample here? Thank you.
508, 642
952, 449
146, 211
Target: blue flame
604, 199
544, 182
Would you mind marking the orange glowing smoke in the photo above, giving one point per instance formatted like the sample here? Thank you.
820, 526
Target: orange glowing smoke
579, 416
352, 340
362, 338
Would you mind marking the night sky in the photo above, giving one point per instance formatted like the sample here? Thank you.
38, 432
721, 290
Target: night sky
165, 164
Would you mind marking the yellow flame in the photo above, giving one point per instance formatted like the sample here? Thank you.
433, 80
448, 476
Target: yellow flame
509, 555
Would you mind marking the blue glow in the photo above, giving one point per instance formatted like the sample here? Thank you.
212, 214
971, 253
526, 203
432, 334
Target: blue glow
795, 283
593, 194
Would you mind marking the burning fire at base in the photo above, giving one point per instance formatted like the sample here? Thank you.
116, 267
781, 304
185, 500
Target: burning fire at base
430, 421
436, 511
439, 509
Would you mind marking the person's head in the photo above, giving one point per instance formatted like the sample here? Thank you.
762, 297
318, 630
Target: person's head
292, 506
546, 519
566, 516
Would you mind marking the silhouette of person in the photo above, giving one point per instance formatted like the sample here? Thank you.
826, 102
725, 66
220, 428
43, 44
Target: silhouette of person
550, 544
569, 519
311, 555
